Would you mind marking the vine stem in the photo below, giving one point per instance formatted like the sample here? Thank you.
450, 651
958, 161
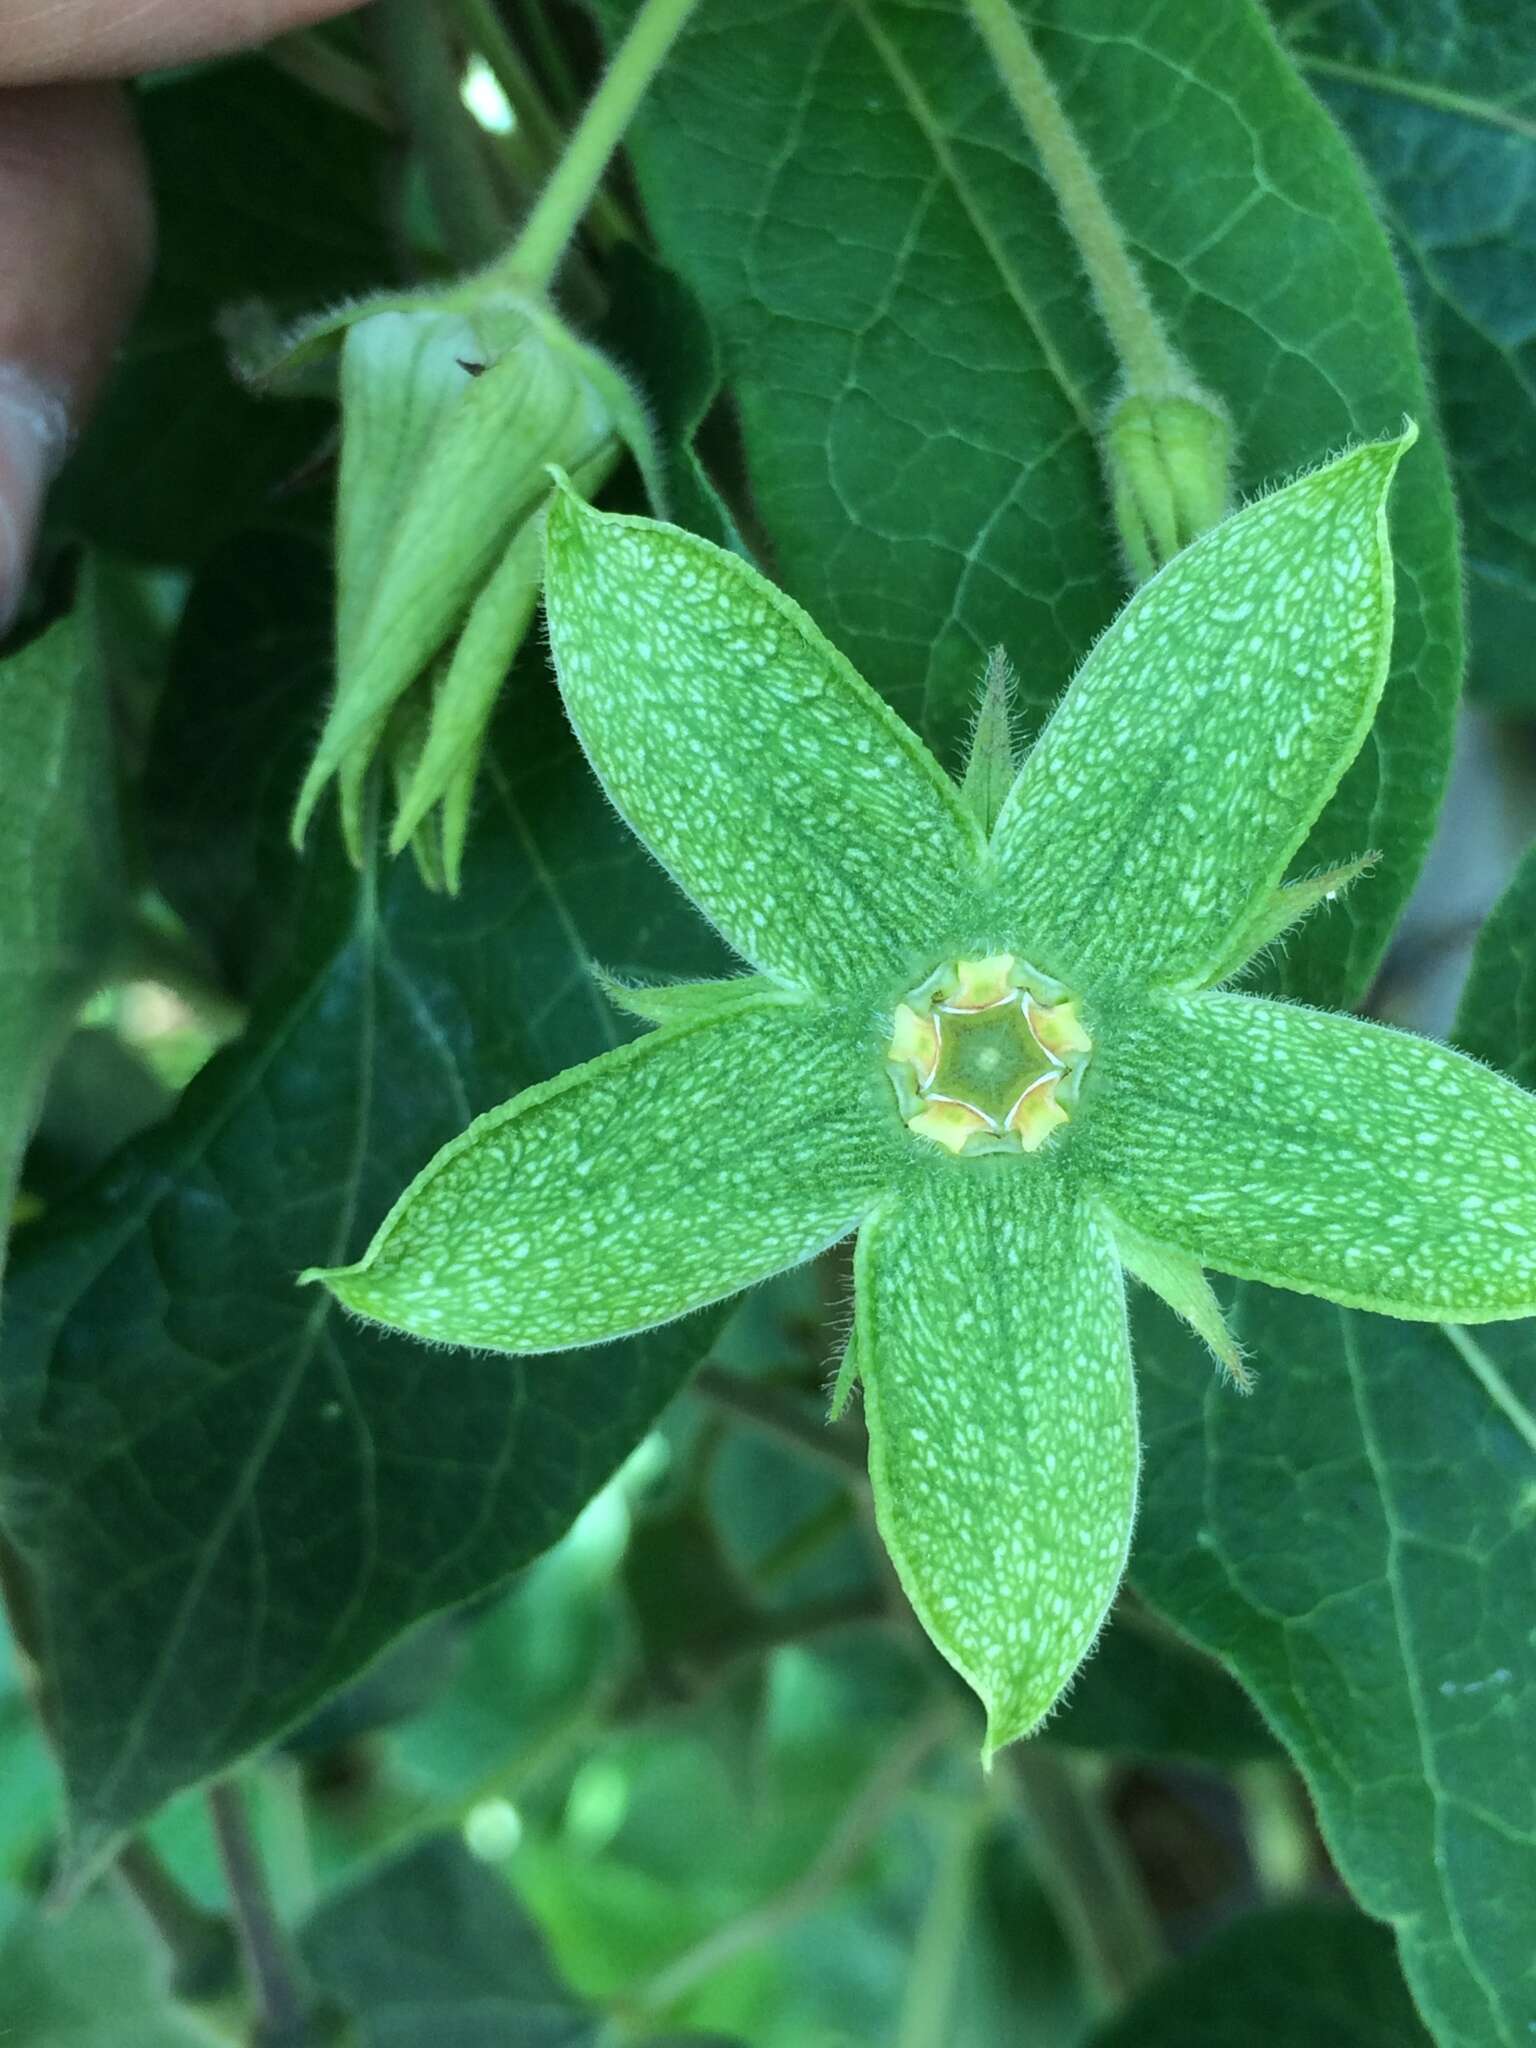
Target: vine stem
549, 56
199, 1945
1151, 363
1083, 1866
486, 32
424, 77
535, 256
929, 1995
279, 1981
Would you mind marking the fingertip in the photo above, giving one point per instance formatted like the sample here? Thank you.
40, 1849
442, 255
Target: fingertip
34, 435
76, 237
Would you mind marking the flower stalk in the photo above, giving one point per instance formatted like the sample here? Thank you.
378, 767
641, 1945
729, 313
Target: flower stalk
289, 2013
535, 256
1166, 443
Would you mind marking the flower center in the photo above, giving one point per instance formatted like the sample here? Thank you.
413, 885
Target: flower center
986, 1055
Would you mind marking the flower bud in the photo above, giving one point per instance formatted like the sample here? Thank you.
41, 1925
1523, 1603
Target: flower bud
1168, 460
453, 407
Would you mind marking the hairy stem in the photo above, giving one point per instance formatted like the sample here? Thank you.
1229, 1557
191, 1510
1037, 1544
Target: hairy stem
536, 254
1151, 363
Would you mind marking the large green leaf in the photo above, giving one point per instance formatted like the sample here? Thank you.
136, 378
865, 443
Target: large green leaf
229, 1496
1364, 1558
60, 867
1440, 98
1357, 1543
919, 372
1304, 1976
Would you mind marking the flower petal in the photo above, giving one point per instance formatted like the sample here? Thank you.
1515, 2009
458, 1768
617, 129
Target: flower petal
1205, 732
1319, 1153
798, 811
992, 1345
625, 1192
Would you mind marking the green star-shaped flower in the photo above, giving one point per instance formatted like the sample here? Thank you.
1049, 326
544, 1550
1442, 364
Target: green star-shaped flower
984, 1031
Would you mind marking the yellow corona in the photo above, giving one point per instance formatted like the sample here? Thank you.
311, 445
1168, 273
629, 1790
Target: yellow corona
986, 1056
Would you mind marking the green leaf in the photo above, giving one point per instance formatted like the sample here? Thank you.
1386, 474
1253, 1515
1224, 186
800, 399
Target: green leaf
228, 1497
1321, 1153
1437, 99
1002, 1424
1356, 1543
1301, 1976
805, 819
661, 1177
1145, 1693
527, 1671
1362, 1559
87, 1980
61, 881
920, 373
435, 1947
1205, 732
262, 190
28, 1786
693, 1612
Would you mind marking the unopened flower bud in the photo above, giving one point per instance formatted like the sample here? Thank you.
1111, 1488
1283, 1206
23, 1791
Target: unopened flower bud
1168, 459
453, 408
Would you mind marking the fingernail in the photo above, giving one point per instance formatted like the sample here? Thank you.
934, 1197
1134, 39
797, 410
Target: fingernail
34, 438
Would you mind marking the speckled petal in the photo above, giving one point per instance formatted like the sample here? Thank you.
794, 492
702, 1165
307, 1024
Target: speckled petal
1204, 733
992, 1345
662, 1176
798, 811
1320, 1153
